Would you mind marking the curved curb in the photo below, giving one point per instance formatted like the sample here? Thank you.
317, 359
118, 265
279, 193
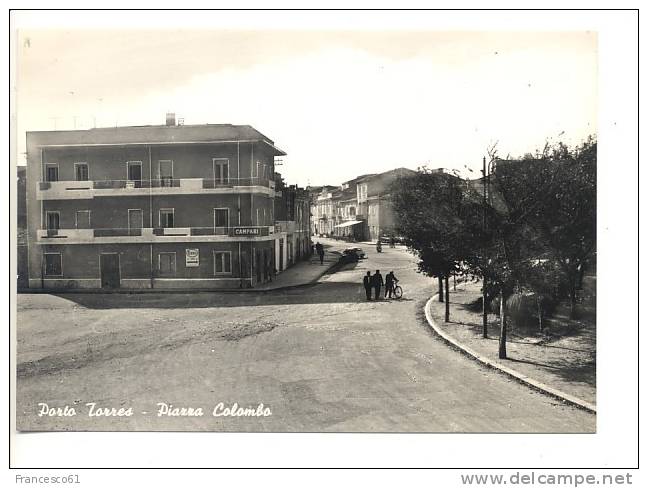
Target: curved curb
536, 385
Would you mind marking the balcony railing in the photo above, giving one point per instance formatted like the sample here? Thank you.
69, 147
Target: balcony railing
115, 184
88, 189
148, 234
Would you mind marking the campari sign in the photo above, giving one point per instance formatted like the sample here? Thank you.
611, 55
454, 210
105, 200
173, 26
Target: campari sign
249, 231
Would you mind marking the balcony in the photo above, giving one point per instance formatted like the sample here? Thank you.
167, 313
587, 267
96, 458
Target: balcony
70, 190
154, 235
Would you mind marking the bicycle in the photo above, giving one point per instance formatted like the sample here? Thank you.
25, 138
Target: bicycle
398, 292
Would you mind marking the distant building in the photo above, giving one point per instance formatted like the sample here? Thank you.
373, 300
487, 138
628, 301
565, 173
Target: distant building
374, 202
323, 210
360, 209
166, 206
292, 224
352, 224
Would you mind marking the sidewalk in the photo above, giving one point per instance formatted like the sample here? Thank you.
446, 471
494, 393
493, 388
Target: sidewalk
301, 273
562, 363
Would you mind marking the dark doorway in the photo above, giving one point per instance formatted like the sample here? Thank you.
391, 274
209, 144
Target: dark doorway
110, 273
281, 260
257, 265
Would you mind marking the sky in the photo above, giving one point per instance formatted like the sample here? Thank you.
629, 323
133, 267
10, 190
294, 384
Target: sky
340, 103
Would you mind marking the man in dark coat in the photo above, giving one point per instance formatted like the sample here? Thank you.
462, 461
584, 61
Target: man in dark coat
320, 252
367, 284
390, 283
377, 282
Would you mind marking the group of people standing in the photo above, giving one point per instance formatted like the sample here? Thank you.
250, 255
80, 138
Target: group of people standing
376, 282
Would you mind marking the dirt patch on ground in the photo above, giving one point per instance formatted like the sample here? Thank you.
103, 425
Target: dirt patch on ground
103, 347
564, 358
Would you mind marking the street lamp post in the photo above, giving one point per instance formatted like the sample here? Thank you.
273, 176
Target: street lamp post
484, 310
487, 198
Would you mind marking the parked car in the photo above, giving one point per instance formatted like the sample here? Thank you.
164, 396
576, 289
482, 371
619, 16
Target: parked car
387, 239
351, 254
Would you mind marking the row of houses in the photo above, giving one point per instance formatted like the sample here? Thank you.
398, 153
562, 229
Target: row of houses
359, 209
164, 206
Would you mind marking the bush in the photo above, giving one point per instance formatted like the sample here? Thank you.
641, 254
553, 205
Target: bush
523, 308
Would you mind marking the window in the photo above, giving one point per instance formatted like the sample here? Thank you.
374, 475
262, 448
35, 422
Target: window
135, 221
51, 172
81, 172
53, 220
167, 263
222, 262
134, 172
165, 172
53, 264
166, 217
221, 217
82, 219
221, 170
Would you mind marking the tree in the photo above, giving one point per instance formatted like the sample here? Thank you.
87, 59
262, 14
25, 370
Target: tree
429, 211
554, 193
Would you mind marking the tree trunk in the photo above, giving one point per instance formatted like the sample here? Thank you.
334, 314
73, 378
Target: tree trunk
484, 310
440, 289
454, 283
447, 300
502, 338
572, 299
539, 303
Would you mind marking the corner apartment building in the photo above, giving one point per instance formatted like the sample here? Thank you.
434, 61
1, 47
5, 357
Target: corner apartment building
168, 206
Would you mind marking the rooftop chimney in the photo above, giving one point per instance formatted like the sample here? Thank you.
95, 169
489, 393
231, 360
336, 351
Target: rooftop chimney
170, 118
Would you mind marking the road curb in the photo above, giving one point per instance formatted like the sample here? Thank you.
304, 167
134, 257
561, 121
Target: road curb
536, 385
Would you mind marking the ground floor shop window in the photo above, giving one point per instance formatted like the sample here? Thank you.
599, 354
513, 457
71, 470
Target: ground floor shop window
53, 264
167, 264
222, 262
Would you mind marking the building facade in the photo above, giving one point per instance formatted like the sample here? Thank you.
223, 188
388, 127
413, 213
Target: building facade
359, 210
323, 210
292, 225
169, 206
374, 202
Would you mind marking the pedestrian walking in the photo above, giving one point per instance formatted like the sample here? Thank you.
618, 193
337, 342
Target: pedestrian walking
320, 252
367, 284
390, 284
377, 282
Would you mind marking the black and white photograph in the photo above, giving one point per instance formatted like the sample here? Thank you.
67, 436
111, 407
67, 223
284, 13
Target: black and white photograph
348, 229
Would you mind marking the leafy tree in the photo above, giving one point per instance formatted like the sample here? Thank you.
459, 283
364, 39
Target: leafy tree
554, 193
429, 210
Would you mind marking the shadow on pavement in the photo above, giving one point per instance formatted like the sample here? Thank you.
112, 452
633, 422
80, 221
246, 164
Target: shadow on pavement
337, 292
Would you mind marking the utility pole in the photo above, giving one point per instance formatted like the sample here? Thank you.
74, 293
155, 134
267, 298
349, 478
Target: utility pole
484, 309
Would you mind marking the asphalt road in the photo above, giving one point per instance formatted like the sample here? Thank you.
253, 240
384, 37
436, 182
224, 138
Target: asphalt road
319, 358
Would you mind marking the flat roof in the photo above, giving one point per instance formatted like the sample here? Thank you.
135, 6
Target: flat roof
153, 134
